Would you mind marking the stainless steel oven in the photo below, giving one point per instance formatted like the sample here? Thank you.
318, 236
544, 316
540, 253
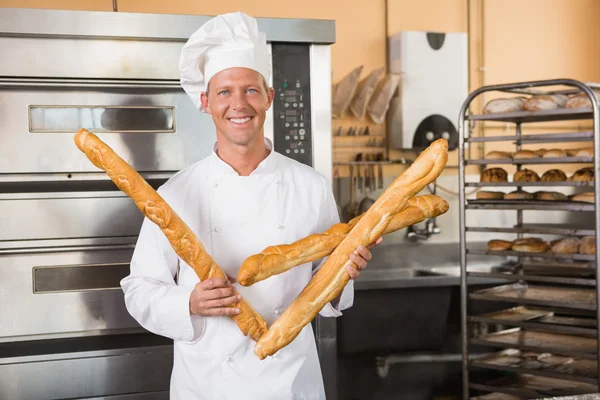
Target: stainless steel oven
66, 232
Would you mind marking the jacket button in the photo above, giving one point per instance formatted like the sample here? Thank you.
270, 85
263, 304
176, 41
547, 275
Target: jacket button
277, 311
215, 184
276, 181
217, 229
228, 358
280, 226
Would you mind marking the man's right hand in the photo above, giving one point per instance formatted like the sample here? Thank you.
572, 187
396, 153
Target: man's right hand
214, 296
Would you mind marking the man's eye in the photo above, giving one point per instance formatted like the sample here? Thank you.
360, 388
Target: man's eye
224, 92
252, 91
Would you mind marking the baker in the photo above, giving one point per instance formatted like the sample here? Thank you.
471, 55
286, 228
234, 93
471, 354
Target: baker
239, 200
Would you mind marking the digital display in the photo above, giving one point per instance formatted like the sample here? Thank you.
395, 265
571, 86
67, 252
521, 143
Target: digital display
290, 92
290, 99
291, 112
291, 119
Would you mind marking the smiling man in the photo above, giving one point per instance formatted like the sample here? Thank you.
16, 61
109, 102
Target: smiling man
239, 200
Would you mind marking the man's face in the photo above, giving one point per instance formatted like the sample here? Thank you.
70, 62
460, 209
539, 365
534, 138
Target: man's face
238, 100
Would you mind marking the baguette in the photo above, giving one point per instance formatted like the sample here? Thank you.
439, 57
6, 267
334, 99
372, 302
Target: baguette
277, 259
332, 277
183, 240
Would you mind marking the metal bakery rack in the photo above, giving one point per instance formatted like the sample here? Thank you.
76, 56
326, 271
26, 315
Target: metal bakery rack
540, 323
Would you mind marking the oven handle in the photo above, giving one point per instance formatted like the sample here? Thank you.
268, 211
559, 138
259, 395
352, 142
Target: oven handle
60, 249
90, 83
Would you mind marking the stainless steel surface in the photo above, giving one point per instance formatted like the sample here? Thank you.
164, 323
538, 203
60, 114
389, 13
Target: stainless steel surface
536, 138
549, 229
531, 184
326, 337
483, 251
555, 160
529, 205
60, 312
87, 374
55, 152
163, 27
562, 114
67, 215
579, 298
532, 386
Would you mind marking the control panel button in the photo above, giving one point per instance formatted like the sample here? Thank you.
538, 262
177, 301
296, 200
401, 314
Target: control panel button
287, 125
301, 105
287, 104
287, 138
288, 151
302, 131
295, 104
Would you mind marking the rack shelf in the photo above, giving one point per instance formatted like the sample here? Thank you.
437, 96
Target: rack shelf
548, 330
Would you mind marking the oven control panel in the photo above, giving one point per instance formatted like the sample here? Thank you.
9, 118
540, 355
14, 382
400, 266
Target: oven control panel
292, 134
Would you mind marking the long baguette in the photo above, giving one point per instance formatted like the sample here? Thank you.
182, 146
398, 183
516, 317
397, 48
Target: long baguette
331, 279
183, 240
277, 259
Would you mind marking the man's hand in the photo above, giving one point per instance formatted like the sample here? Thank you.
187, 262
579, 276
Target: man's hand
360, 259
214, 296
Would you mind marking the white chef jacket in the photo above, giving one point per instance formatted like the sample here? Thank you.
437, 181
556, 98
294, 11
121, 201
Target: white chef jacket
234, 217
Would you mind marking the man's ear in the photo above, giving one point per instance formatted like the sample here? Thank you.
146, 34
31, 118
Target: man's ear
204, 101
271, 96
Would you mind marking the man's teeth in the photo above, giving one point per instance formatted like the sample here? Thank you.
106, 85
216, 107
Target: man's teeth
239, 120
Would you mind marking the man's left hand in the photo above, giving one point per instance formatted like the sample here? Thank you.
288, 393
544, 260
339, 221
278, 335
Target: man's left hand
360, 258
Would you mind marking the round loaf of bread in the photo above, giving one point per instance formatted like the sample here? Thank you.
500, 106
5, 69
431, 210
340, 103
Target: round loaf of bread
526, 154
569, 245
526, 175
497, 155
504, 105
588, 245
581, 100
499, 245
494, 175
554, 175
585, 152
586, 197
545, 102
554, 153
530, 245
518, 195
550, 196
489, 195
583, 175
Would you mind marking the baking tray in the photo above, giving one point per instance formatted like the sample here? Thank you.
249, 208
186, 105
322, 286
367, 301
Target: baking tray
542, 205
536, 318
551, 296
542, 341
533, 184
534, 386
561, 114
582, 269
484, 251
549, 229
542, 364
515, 276
536, 160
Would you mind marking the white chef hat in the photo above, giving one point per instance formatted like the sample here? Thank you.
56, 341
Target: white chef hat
226, 41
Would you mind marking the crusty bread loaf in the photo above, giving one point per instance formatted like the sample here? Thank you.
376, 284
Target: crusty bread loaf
497, 155
568, 245
583, 175
183, 240
554, 153
550, 196
518, 195
586, 197
581, 100
504, 105
526, 154
585, 152
530, 245
588, 245
280, 258
494, 175
499, 245
554, 175
545, 102
489, 195
526, 175
333, 276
